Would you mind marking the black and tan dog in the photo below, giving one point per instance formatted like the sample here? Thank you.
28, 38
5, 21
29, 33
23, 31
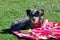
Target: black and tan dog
34, 16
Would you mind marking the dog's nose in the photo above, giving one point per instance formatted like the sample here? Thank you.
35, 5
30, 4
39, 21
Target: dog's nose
35, 19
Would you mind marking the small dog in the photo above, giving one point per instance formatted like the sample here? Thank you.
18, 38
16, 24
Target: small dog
34, 17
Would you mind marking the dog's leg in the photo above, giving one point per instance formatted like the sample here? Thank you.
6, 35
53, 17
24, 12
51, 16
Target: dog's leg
45, 22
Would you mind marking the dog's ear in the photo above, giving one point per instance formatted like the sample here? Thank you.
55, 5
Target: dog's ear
28, 11
42, 12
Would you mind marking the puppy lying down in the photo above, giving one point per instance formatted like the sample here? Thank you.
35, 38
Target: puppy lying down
26, 24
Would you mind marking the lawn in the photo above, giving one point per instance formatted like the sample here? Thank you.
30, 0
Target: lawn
14, 9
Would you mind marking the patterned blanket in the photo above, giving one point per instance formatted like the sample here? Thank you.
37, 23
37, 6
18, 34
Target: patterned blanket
52, 29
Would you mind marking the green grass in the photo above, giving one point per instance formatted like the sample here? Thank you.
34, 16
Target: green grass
13, 9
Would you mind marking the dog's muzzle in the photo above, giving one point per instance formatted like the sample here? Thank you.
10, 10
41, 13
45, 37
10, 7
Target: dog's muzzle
36, 23
35, 20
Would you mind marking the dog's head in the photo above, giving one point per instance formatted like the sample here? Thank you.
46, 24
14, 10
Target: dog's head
35, 15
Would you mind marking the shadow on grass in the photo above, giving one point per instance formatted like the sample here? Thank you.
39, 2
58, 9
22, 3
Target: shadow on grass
5, 31
8, 31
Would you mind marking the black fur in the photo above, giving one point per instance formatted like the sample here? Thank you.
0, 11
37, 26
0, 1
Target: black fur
25, 23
